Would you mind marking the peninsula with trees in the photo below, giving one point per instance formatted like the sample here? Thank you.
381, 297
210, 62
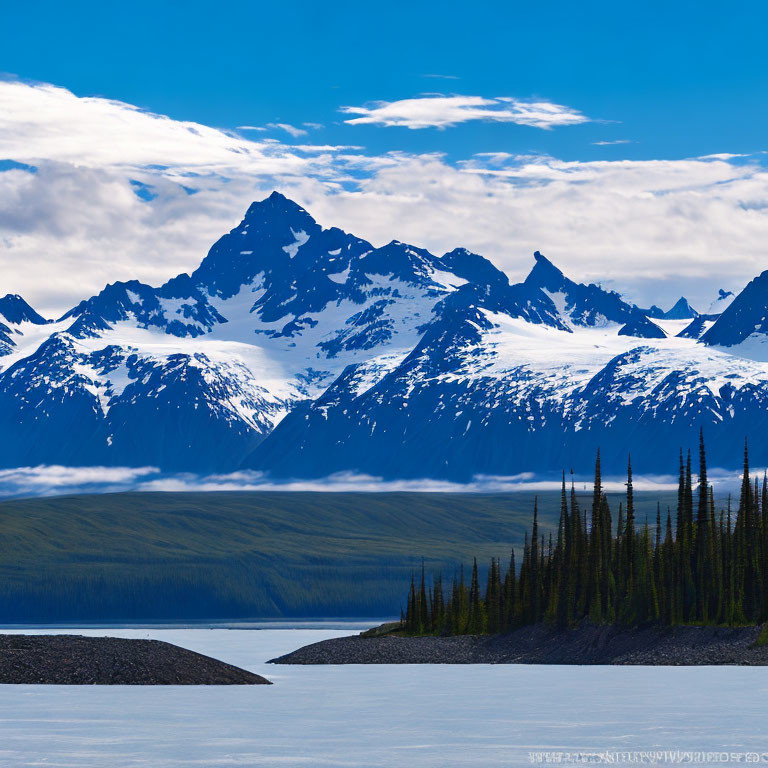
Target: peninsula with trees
690, 587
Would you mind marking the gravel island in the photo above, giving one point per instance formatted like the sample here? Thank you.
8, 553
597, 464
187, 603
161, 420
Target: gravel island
78, 660
586, 644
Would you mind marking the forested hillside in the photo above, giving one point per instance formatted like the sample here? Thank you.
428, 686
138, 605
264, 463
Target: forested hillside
229, 555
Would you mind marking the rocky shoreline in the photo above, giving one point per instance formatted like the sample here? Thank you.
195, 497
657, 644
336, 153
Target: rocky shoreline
586, 644
78, 660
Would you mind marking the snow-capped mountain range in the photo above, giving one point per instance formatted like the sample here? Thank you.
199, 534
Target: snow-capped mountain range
304, 351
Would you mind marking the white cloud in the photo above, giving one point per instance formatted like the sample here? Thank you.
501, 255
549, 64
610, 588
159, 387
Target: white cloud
48, 480
78, 221
56, 480
441, 77
99, 133
288, 128
350, 482
444, 111
653, 228
612, 143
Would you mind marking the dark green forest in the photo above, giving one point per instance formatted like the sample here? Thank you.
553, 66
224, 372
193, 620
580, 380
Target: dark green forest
697, 565
244, 555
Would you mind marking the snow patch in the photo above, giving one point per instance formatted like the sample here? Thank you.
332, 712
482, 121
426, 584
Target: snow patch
301, 238
447, 279
339, 277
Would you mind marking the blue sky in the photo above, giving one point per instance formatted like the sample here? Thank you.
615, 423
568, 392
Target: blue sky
677, 79
637, 96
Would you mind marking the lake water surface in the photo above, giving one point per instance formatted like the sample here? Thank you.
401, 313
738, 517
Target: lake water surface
437, 716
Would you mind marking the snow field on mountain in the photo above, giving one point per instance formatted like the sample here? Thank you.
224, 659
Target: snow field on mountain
382, 343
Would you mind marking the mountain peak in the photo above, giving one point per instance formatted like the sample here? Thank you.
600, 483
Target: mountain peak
544, 273
15, 310
268, 238
276, 204
642, 327
278, 198
745, 316
722, 302
681, 311
586, 305
472, 267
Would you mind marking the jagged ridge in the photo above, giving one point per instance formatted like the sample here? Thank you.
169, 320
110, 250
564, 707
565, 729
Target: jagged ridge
301, 351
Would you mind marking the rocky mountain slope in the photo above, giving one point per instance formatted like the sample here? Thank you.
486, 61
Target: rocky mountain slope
303, 351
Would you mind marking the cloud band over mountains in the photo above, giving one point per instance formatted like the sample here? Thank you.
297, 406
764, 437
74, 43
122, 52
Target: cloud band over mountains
54, 480
93, 190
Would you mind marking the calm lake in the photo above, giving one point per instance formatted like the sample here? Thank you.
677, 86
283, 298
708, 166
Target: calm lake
407, 716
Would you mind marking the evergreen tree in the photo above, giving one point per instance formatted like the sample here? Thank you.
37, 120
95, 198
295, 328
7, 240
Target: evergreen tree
423, 605
701, 548
594, 594
476, 623
629, 576
709, 569
411, 626
534, 566
509, 615
437, 618
493, 599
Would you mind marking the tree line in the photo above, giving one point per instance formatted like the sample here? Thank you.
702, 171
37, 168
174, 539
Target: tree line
705, 567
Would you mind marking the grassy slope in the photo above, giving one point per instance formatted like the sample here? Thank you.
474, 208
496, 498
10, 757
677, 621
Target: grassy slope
228, 555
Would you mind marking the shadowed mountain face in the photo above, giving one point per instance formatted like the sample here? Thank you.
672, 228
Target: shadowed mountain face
583, 305
745, 319
681, 311
303, 351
